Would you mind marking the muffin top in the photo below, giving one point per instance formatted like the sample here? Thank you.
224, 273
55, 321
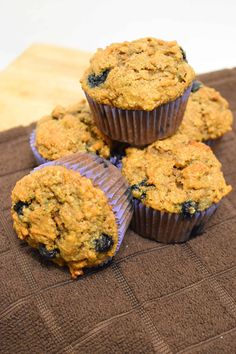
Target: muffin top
69, 130
207, 114
175, 175
63, 215
141, 74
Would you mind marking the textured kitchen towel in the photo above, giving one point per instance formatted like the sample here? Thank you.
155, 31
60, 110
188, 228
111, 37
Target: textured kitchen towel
153, 298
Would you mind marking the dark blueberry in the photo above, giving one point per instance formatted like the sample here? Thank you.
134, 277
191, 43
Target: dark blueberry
104, 243
189, 208
46, 253
145, 183
18, 207
196, 86
184, 54
134, 187
97, 80
138, 187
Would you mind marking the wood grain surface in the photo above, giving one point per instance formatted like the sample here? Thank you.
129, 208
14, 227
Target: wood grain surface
42, 77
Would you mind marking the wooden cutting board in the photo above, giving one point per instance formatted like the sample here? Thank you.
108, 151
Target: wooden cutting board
39, 79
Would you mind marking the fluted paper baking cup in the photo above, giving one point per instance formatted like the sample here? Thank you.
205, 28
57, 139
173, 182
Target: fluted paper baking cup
106, 177
168, 227
139, 127
38, 157
213, 143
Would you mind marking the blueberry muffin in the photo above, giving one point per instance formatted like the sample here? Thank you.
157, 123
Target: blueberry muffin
207, 116
130, 81
178, 182
68, 218
66, 131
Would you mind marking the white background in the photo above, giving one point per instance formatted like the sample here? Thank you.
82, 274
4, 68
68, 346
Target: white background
206, 29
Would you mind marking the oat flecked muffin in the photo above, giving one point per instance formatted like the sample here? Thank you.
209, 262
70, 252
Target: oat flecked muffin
67, 217
141, 74
207, 114
138, 90
177, 178
69, 130
63, 215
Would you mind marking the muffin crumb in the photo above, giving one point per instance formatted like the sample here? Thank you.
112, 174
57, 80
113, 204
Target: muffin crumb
175, 175
65, 217
142, 74
207, 114
70, 130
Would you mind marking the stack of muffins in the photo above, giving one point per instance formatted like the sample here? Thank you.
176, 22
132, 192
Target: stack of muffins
146, 114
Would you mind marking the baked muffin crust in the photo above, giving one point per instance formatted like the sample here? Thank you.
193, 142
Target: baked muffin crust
69, 130
62, 214
207, 115
172, 172
141, 74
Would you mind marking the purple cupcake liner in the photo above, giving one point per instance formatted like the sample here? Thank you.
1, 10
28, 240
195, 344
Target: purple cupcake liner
38, 157
213, 143
106, 177
168, 227
139, 127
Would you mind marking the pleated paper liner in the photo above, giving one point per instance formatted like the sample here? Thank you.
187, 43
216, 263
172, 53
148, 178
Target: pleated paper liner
168, 227
38, 157
139, 127
214, 144
106, 177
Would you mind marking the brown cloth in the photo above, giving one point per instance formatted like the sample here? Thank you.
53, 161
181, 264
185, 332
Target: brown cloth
153, 298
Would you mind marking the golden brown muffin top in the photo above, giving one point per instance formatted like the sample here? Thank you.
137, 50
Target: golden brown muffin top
141, 74
175, 173
207, 115
69, 130
61, 213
